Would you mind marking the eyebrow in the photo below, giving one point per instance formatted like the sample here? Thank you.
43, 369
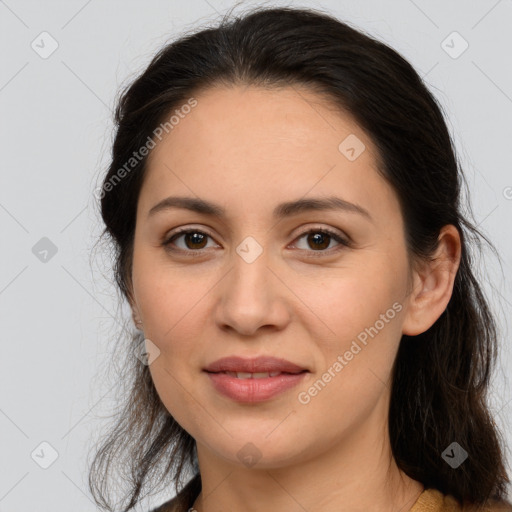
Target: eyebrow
281, 211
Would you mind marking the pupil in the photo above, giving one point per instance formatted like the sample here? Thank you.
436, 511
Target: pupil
318, 237
195, 238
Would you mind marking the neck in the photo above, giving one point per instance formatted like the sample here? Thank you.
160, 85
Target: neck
358, 473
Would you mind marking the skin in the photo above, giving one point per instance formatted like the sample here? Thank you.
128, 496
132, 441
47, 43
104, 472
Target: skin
249, 149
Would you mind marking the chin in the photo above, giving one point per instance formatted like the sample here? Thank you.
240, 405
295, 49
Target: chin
258, 450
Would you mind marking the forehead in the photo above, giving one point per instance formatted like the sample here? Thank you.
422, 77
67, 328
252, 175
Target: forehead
292, 119
248, 144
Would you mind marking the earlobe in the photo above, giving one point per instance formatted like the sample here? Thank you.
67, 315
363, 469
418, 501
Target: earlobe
433, 284
136, 319
135, 313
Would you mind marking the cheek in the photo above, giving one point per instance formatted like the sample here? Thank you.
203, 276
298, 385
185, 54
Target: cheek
169, 304
357, 360
363, 311
166, 294
354, 298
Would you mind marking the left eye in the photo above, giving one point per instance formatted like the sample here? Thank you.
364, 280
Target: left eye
321, 239
317, 239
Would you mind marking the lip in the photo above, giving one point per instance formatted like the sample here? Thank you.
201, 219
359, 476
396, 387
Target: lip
254, 365
254, 390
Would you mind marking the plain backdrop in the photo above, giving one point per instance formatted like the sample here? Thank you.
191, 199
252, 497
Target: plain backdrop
62, 64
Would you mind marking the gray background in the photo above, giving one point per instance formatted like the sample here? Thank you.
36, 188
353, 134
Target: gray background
60, 316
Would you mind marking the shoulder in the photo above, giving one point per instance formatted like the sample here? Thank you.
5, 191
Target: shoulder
433, 500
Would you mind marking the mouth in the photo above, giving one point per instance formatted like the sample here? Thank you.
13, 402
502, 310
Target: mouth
256, 379
255, 367
256, 375
254, 387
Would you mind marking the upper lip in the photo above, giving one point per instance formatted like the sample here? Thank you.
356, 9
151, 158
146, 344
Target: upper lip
259, 364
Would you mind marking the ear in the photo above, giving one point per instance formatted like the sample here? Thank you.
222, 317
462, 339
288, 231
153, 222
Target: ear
135, 311
433, 284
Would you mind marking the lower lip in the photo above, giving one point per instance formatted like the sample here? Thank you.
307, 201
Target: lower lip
254, 390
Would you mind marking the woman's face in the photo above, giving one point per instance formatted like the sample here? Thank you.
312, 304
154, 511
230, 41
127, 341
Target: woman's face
252, 282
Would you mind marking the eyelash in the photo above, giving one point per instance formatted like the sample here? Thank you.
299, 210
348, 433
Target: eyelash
197, 252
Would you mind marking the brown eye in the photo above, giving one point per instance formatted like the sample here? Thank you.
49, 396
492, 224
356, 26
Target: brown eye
320, 239
193, 239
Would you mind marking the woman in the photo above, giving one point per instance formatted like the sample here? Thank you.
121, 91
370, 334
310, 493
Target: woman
284, 202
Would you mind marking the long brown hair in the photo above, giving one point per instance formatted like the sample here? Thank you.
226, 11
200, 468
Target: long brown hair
440, 377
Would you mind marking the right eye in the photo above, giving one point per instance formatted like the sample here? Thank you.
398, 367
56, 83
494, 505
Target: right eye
194, 240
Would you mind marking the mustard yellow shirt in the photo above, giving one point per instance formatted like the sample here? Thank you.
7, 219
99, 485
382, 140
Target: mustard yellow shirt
430, 500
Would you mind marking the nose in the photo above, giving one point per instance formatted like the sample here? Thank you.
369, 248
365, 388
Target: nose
252, 296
